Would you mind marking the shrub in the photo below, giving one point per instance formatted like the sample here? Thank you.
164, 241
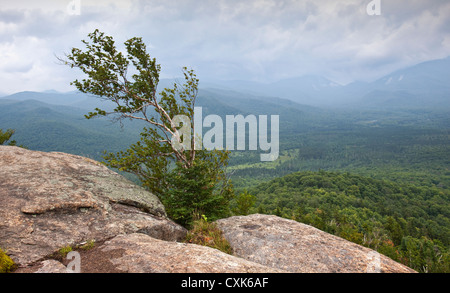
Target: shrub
208, 234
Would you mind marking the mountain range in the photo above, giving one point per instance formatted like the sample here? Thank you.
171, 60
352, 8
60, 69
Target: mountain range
425, 85
52, 121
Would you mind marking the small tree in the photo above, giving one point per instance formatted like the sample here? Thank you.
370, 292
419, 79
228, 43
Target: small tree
185, 179
192, 191
244, 202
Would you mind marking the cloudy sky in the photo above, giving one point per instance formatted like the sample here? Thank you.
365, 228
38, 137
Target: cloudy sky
259, 40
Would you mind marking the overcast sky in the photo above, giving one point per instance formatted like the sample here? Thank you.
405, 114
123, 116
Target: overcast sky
259, 40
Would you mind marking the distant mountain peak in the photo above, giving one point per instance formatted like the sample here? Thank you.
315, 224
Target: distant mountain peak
51, 92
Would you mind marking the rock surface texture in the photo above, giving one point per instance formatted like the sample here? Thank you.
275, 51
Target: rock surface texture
298, 248
139, 253
52, 200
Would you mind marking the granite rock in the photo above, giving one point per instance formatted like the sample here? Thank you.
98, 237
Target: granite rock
298, 248
52, 200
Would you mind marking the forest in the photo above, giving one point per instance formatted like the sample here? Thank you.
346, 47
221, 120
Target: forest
408, 223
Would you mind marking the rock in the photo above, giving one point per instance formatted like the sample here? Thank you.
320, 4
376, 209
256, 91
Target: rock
51, 267
140, 253
295, 247
51, 200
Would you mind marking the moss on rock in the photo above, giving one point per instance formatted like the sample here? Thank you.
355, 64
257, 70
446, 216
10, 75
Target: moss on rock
6, 263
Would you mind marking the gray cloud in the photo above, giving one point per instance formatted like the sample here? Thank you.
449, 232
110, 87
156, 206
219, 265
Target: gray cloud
227, 39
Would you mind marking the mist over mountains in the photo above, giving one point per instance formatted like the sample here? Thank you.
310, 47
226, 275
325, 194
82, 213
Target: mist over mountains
424, 85
419, 95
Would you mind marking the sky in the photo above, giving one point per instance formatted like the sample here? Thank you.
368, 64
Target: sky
256, 40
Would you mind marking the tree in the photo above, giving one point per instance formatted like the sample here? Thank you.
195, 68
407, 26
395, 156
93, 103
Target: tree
182, 176
244, 202
192, 191
6, 136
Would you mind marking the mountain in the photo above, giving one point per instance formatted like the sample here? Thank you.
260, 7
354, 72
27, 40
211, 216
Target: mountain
56, 122
425, 85
47, 97
430, 76
308, 89
47, 127
377, 124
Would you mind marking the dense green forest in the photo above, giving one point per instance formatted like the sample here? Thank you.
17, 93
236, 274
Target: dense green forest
45, 127
414, 154
408, 223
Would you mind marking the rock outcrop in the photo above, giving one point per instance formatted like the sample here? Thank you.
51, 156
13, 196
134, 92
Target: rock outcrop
139, 253
298, 248
52, 200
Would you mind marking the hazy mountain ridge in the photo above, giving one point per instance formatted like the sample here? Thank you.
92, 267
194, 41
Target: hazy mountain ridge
55, 121
49, 127
61, 126
426, 84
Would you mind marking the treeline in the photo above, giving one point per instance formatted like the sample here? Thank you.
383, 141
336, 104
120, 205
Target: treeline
410, 224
